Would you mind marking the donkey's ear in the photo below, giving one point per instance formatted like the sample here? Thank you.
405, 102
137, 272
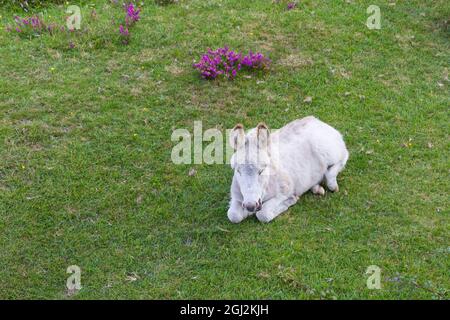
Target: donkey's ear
262, 132
237, 136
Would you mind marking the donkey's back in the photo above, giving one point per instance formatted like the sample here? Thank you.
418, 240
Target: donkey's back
311, 151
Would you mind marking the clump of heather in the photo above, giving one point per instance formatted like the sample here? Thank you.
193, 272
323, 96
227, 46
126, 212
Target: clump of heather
33, 25
222, 61
132, 15
291, 5
256, 61
226, 62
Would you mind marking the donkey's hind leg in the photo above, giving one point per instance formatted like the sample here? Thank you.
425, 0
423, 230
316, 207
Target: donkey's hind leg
333, 171
331, 174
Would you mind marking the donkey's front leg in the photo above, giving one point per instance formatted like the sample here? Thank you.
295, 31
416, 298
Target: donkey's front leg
236, 213
274, 207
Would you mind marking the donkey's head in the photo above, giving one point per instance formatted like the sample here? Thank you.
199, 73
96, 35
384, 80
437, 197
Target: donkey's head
251, 163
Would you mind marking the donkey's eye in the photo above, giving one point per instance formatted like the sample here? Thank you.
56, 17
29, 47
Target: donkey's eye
261, 171
238, 171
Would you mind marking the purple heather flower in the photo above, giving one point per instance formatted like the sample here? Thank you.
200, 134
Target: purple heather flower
124, 31
224, 61
291, 5
132, 14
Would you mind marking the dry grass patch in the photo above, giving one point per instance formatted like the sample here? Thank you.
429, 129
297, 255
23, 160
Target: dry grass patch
295, 60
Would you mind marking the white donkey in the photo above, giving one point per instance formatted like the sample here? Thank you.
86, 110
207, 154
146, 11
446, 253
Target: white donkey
271, 170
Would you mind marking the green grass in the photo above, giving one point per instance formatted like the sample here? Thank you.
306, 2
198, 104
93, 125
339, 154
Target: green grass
86, 177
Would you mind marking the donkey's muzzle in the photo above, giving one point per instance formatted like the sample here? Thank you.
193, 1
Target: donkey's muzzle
253, 206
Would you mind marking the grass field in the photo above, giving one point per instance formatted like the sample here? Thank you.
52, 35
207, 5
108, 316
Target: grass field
86, 176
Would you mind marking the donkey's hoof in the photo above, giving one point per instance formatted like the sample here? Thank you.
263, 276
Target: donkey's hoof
318, 189
335, 189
